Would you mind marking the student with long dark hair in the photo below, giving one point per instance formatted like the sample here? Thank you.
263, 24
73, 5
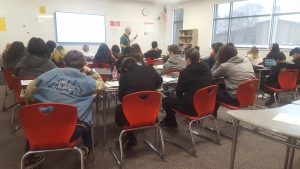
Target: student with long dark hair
104, 55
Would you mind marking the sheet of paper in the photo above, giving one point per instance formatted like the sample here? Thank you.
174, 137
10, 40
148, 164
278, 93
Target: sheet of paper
25, 82
168, 79
112, 84
159, 67
286, 118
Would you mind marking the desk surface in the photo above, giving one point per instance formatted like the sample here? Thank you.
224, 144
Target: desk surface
284, 120
297, 102
102, 71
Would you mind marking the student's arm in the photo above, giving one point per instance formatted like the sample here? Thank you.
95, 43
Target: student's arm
217, 71
95, 75
30, 89
180, 85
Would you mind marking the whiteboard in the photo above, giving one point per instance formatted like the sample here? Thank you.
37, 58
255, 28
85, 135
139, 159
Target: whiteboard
79, 28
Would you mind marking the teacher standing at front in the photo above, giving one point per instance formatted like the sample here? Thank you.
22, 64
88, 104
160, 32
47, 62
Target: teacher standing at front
124, 40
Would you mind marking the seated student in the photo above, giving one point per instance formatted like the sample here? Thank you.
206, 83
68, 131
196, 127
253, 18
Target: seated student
270, 59
115, 50
212, 57
134, 78
154, 52
139, 54
37, 62
4, 53
88, 56
175, 61
195, 76
75, 84
104, 55
58, 55
128, 52
295, 53
272, 80
235, 71
14, 54
51, 46
253, 56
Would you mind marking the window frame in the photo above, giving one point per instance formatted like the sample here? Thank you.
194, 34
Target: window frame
274, 15
176, 22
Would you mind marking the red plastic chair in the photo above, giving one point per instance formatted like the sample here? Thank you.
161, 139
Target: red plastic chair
20, 98
48, 127
141, 111
246, 94
150, 61
204, 104
287, 79
8, 77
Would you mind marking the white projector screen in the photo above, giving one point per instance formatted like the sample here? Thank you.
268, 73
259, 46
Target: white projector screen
80, 28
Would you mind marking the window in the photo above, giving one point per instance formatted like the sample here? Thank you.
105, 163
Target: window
177, 23
258, 22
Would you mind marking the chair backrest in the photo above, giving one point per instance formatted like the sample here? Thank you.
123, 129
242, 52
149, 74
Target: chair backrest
205, 100
8, 76
246, 93
17, 87
150, 61
287, 79
48, 125
141, 108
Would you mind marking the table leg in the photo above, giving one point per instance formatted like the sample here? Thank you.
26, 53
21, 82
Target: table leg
104, 119
234, 142
292, 153
287, 154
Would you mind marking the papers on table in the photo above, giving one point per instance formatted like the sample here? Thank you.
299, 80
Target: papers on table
169, 79
287, 118
25, 82
112, 84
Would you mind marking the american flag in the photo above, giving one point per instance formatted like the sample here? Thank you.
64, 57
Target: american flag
163, 15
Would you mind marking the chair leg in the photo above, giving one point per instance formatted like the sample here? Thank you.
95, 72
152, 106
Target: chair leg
81, 157
194, 152
120, 161
23, 158
275, 99
5, 95
155, 148
217, 130
93, 141
12, 123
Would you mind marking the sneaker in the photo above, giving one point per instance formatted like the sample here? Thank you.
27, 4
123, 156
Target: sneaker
167, 125
33, 162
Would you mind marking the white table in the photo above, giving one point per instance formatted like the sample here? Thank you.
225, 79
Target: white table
296, 102
284, 121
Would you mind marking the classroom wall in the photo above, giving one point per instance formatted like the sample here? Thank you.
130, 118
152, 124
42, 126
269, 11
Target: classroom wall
23, 21
199, 15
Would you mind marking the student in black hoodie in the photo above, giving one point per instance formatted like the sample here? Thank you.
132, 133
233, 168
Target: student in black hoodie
134, 78
154, 52
295, 53
195, 76
272, 80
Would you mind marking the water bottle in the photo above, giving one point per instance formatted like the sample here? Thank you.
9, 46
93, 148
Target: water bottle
114, 74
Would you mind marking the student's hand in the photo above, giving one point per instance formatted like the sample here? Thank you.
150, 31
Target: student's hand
85, 69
